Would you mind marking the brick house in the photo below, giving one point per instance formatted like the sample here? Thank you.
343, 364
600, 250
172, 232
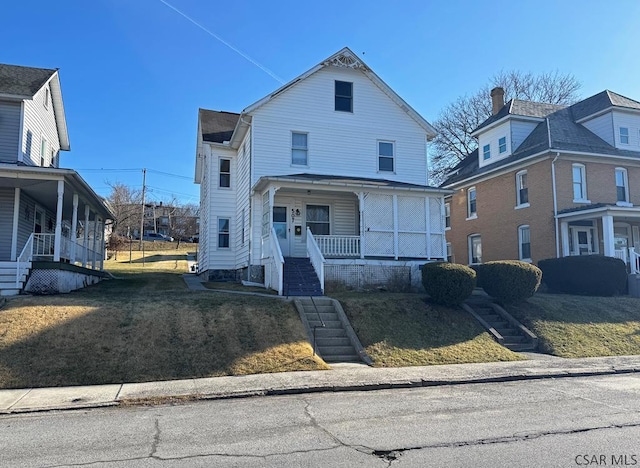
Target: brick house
549, 181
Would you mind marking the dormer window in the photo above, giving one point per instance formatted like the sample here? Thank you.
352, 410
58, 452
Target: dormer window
486, 152
502, 145
344, 96
624, 135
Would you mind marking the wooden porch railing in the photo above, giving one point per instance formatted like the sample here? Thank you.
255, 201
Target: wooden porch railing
339, 246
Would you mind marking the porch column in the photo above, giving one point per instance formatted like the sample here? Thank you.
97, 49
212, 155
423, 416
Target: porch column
16, 220
57, 240
607, 236
74, 227
564, 234
102, 251
94, 245
396, 246
361, 208
85, 243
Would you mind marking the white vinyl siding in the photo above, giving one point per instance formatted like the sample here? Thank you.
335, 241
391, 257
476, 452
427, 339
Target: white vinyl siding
9, 131
243, 202
347, 141
489, 142
520, 130
602, 126
630, 122
38, 121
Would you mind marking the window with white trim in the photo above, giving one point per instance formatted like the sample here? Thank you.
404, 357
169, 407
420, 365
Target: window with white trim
579, 182
522, 189
299, 149
622, 185
386, 156
471, 203
486, 152
449, 253
344, 96
502, 145
447, 215
225, 173
223, 233
44, 144
46, 98
318, 219
475, 249
624, 135
524, 243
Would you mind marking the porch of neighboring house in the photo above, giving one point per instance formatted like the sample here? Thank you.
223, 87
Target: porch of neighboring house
608, 230
53, 224
354, 232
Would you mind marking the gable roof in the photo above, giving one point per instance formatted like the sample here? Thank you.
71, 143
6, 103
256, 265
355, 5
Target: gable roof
217, 126
18, 82
346, 58
559, 131
23, 82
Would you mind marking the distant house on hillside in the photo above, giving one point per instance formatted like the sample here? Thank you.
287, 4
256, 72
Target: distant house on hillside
549, 181
325, 179
51, 221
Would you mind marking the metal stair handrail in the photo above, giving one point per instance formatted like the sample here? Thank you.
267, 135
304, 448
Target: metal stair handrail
23, 259
315, 327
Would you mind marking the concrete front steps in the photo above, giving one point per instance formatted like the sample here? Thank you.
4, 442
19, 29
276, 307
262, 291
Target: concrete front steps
335, 340
8, 271
505, 329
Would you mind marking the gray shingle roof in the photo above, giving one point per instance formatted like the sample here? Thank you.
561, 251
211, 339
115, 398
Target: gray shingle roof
523, 108
23, 81
563, 133
354, 180
217, 126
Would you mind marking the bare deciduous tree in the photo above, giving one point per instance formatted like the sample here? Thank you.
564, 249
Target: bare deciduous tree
125, 203
456, 122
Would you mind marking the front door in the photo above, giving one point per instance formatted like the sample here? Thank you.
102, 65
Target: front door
281, 227
582, 241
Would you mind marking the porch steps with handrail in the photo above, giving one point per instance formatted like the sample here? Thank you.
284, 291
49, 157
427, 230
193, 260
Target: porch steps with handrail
300, 278
8, 284
330, 331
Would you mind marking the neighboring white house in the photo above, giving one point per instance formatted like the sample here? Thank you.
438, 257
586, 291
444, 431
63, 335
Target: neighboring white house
331, 166
51, 221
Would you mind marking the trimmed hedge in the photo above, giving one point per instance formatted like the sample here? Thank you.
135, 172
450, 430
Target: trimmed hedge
589, 275
448, 283
509, 281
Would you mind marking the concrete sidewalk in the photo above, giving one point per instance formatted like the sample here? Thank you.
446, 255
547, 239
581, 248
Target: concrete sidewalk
341, 378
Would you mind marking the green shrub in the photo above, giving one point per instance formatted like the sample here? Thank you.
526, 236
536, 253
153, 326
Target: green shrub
590, 275
448, 283
509, 281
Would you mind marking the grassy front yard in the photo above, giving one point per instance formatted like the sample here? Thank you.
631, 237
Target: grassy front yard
403, 330
582, 326
146, 326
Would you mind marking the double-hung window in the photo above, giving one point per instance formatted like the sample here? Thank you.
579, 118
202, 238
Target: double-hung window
502, 145
622, 185
318, 219
225, 173
299, 149
223, 233
624, 135
386, 161
524, 243
43, 151
344, 96
486, 152
471, 203
475, 249
579, 183
522, 189
447, 215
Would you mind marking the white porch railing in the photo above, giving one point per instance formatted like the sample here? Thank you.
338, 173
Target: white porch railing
23, 260
316, 257
339, 246
621, 254
634, 261
274, 278
43, 246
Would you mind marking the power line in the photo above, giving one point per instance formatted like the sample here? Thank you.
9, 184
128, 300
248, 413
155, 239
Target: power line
169, 174
235, 49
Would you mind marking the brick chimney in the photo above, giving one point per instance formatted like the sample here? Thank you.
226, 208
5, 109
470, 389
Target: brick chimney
497, 99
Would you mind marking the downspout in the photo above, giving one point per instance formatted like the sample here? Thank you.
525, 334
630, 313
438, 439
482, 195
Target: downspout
250, 194
555, 196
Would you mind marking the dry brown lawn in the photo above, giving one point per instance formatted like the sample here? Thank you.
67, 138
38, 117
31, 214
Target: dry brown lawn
146, 326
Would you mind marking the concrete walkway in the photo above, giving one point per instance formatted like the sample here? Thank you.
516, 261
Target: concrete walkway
341, 378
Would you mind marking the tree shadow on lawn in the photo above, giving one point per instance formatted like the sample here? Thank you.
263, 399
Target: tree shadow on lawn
158, 258
115, 333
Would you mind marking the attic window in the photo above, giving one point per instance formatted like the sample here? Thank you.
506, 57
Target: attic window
46, 98
344, 96
624, 135
502, 145
486, 152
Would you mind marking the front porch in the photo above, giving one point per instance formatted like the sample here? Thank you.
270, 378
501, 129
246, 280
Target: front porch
608, 230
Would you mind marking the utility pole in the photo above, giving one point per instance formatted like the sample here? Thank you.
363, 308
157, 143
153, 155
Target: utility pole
144, 182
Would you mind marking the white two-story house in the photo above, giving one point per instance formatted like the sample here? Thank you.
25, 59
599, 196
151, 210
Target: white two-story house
51, 221
331, 167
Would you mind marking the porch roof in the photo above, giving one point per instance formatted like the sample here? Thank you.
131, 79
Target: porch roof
41, 184
599, 209
335, 181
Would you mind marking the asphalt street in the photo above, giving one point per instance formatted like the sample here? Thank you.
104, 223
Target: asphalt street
551, 422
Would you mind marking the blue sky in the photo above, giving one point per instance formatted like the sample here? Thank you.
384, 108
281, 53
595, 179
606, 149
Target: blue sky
134, 72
